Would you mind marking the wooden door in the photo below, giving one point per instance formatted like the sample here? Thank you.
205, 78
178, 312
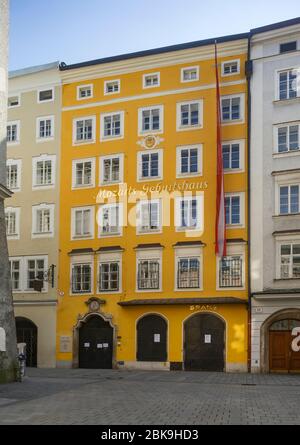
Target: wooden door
96, 344
204, 343
279, 351
152, 339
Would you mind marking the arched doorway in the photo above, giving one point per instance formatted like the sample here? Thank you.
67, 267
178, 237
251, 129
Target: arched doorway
152, 339
204, 343
96, 343
282, 356
27, 332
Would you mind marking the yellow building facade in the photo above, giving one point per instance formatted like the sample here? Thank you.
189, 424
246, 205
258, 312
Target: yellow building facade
140, 285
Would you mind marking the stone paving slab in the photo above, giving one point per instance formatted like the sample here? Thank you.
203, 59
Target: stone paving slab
105, 397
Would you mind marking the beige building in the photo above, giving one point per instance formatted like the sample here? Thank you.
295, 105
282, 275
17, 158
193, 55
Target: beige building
33, 141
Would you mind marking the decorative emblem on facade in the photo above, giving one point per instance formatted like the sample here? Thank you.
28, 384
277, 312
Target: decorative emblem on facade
94, 304
150, 141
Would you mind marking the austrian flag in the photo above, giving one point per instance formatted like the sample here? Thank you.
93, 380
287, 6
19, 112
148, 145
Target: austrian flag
220, 227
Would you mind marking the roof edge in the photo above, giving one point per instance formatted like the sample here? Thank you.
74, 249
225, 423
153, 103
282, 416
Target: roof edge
274, 26
33, 69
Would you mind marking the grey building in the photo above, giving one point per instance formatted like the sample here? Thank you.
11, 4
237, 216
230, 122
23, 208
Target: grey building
275, 196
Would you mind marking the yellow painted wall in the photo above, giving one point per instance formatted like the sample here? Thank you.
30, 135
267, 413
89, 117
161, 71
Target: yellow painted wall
131, 87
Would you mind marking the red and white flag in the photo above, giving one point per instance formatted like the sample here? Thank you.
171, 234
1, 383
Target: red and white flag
220, 228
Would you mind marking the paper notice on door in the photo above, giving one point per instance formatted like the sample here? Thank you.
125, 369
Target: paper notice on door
105, 345
99, 345
86, 345
207, 338
156, 338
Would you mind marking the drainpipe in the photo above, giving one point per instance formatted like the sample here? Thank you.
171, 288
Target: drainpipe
249, 71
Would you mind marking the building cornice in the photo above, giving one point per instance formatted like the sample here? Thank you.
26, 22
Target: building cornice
5, 192
275, 33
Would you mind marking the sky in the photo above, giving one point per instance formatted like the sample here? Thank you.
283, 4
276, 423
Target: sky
43, 31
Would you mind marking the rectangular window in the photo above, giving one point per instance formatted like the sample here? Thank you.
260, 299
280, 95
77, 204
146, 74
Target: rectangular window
288, 81
231, 156
230, 271
289, 199
151, 120
109, 277
149, 164
13, 174
110, 219
289, 46
13, 101
44, 172
151, 80
46, 95
188, 213
11, 222
35, 271
189, 160
111, 169
82, 222
148, 274
188, 273
83, 173
111, 125
43, 220
231, 109
231, 67
189, 115
233, 210
84, 92
190, 74
13, 132
288, 138
45, 127
81, 278
112, 87
84, 130
14, 266
290, 261
149, 216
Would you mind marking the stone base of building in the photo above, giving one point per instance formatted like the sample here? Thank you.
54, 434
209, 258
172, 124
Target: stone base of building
66, 364
144, 366
236, 367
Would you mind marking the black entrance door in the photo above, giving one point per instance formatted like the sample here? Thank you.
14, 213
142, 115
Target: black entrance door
204, 343
152, 339
27, 332
96, 344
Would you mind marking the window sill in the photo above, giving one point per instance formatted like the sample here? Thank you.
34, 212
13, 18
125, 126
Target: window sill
82, 187
233, 122
286, 279
286, 215
189, 127
286, 101
79, 237
111, 138
46, 139
286, 154
79, 143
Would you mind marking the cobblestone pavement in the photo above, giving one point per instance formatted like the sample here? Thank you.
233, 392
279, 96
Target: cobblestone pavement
105, 397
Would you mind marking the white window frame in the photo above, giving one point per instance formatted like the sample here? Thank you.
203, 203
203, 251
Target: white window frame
18, 124
18, 95
226, 62
79, 161
110, 93
42, 158
109, 257
145, 86
241, 195
237, 249
179, 149
119, 156
91, 234
100, 219
148, 255
242, 109
86, 86
149, 231
82, 260
86, 141
188, 252
25, 278
200, 210
142, 132
46, 138
277, 83
140, 178
21, 272
18, 163
242, 144
282, 181
179, 127
35, 209
189, 68
282, 240
40, 90
17, 212
104, 138
276, 138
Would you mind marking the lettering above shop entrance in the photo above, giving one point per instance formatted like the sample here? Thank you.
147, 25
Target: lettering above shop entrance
203, 307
